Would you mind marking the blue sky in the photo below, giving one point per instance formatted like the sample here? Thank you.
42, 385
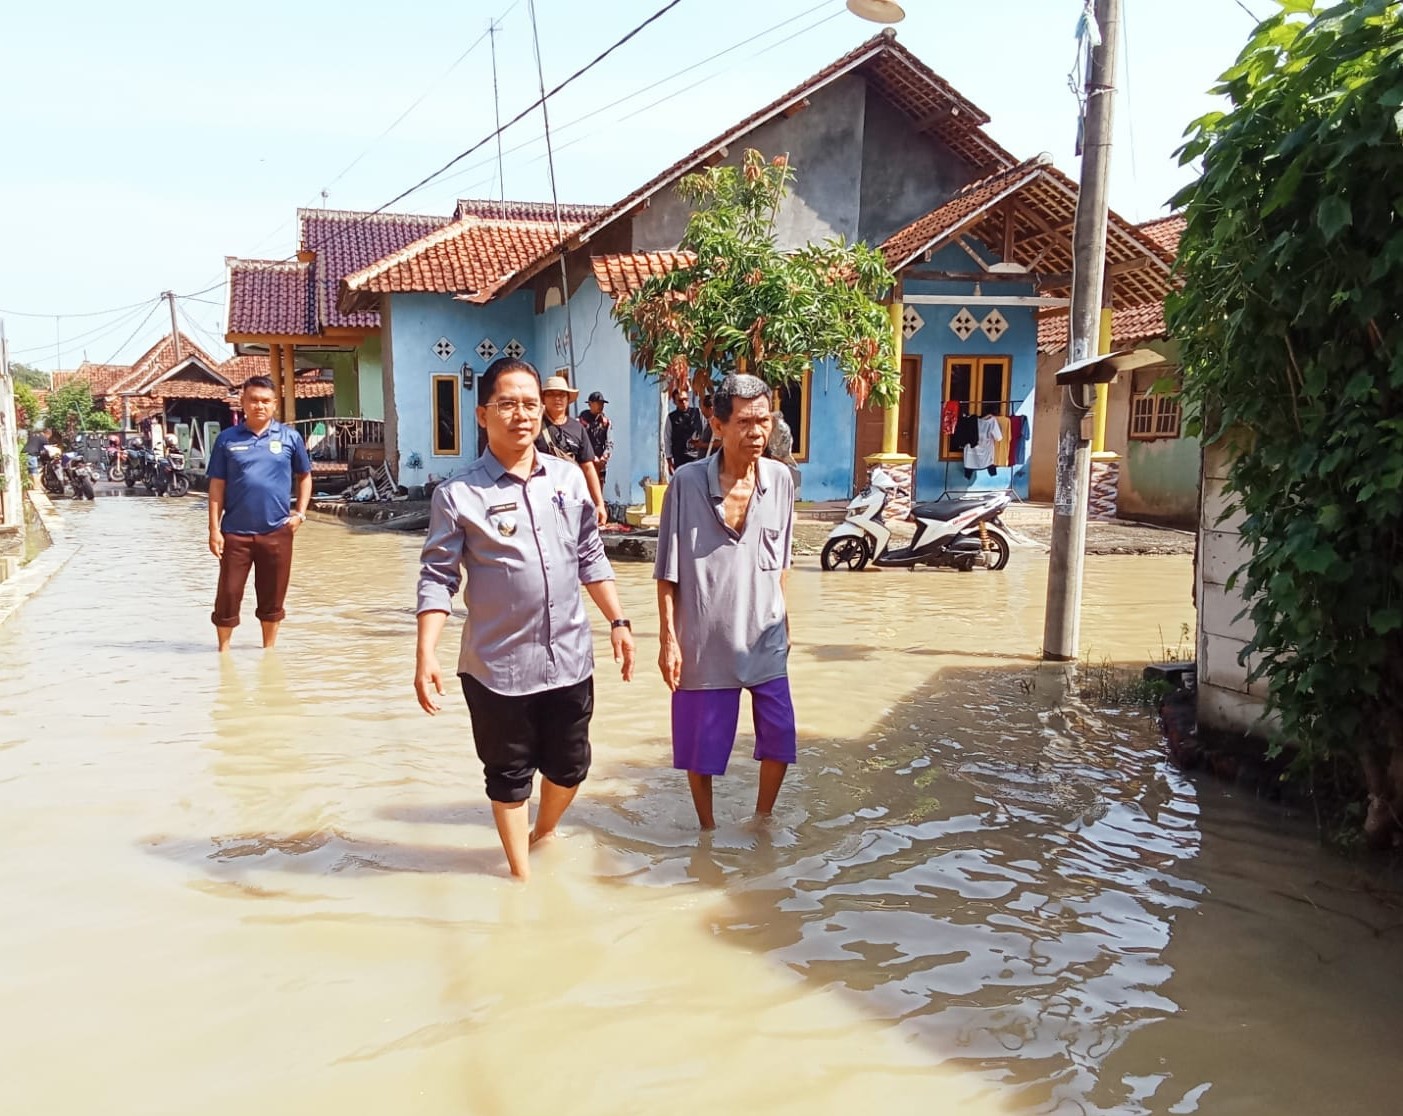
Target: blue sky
143, 144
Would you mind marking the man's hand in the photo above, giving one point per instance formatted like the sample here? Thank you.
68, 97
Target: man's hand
601, 516
428, 682
622, 641
216, 543
295, 520
670, 662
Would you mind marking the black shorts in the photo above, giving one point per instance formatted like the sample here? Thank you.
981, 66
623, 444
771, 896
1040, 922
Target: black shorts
516, 736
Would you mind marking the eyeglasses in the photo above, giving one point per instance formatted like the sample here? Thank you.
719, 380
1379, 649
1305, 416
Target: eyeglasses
508, 407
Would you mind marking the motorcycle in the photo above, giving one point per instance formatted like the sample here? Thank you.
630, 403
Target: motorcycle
961, 534
61, 471
134, 464
115, 459
170, 473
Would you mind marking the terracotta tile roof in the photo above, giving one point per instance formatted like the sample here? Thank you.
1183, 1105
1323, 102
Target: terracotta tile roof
493, 210
1166, 231
237, 369
100, 377
1129, 326
467, 257
158, 360
938, 109
345, 243
624, 274
1047, 202
270, 298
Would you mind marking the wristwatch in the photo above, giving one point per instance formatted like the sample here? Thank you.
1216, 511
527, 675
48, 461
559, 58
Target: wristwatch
300, 515
620, 624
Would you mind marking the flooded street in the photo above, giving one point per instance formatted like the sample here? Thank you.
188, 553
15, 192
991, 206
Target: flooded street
270, 884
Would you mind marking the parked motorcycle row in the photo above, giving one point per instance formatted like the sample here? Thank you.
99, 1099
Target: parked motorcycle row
69, 473
162, 475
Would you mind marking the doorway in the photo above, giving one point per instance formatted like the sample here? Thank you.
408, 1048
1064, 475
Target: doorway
870, 421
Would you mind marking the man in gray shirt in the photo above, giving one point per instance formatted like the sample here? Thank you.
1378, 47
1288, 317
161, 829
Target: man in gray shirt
517, 530
724, 542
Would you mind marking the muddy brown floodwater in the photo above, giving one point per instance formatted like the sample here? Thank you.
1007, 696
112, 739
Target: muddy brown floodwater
270, 884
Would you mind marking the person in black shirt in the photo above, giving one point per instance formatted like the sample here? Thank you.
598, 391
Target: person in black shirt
684, 426
563, 436
601, 433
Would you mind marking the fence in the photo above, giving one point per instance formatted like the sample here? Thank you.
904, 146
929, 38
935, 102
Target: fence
334, 441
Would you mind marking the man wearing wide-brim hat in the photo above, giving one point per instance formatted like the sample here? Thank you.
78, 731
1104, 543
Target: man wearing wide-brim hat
563, 436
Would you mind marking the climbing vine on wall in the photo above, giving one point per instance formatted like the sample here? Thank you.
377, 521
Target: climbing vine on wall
1289, 326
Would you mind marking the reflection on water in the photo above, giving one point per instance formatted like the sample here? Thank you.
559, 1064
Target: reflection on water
269, 883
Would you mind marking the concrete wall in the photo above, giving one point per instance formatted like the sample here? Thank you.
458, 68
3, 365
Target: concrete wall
904, 174
1158, 479
1226, 701
413, 324
370, 373
822, 142
601, 364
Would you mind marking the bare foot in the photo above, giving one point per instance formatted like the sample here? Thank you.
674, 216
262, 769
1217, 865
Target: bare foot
540, 838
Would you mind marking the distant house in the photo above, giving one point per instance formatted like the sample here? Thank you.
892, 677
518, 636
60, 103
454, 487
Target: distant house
176, 381
886, 152
1159, 474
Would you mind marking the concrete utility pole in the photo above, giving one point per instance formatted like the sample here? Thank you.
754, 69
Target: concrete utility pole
169, 296
1062, 625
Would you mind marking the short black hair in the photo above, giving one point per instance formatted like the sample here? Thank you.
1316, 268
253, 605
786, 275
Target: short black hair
260, 382
707, 401
740, 386
487, 383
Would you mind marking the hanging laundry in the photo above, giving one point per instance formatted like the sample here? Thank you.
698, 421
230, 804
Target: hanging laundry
980, 455
1017, 426
966, 433
1004, 442
949, 417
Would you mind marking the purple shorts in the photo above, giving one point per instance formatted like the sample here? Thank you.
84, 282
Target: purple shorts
704, 726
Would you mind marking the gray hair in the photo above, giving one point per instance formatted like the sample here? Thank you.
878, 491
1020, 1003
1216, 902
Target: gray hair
736, 386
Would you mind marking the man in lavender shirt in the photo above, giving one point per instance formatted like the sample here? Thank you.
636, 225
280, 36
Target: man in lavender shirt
724, 543
517, 530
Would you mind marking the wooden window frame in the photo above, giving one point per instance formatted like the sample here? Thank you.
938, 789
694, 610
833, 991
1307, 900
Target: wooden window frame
977, 389
1163, 410
456, 382
805, 384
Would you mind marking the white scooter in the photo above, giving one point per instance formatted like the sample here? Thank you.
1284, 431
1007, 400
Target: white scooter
959, 533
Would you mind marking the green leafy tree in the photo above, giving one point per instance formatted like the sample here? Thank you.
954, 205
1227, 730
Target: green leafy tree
743, 305
27, 409
29, 376
72, 405
1289, 325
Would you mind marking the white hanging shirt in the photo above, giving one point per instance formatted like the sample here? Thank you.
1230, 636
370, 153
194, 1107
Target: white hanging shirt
981, 454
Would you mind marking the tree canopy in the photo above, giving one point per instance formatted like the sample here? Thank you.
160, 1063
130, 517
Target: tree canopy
746, 305
1292, 342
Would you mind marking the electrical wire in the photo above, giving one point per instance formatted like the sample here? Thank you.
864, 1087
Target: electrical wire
87, 314
154, 307
89, 336
205, 334
419, 100
641, 91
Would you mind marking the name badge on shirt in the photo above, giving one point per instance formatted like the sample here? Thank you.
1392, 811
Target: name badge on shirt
275, 446
497, 509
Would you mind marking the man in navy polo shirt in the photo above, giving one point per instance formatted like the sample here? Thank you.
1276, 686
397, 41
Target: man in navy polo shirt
251, 519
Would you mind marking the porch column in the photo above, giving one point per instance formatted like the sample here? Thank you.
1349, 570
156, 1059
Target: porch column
275, 369
289, 383
901, 466
1103, 497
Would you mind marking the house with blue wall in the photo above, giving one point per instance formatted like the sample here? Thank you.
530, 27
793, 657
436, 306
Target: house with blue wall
885, 151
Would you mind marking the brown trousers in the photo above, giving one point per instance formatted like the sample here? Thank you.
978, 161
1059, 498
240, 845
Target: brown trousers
270, 558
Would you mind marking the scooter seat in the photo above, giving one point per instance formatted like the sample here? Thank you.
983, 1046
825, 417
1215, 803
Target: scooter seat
942, 510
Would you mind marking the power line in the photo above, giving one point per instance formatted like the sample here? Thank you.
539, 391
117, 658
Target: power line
420, 99
88, 336
663, 81
155, 305
86, 314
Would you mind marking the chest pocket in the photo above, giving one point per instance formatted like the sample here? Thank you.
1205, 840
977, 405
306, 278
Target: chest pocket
770, 557
569, 514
